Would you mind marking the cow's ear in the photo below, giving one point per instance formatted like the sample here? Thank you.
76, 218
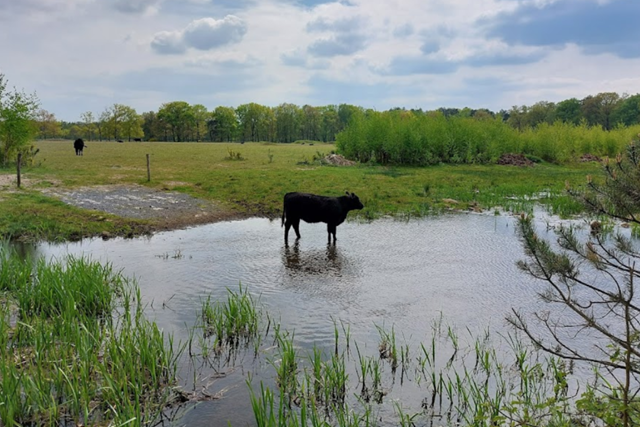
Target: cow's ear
347, 193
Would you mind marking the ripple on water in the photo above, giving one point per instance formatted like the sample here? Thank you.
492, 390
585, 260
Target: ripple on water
400, 274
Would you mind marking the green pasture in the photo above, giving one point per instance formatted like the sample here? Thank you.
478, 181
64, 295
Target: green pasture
252, 178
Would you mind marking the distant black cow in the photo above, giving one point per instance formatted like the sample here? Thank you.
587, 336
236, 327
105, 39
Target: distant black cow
313, 208
137, 139
79, 144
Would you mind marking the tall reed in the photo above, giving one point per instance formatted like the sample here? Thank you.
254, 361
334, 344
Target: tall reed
75, 347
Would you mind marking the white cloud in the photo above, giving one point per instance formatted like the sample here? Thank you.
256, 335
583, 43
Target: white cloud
202, 34
168, 42
208, 33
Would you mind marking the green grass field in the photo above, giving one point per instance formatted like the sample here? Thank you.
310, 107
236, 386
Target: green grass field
252, 178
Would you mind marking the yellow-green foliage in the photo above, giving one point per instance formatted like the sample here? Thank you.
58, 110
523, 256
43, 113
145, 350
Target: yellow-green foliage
407, 138
563, 142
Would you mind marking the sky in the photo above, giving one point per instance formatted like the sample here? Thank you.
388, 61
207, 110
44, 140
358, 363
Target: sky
86, 55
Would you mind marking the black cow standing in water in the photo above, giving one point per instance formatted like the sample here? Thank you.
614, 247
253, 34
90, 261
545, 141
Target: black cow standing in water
312, 208
79, 145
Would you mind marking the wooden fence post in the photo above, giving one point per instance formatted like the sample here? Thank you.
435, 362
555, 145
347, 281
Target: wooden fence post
18, 167
148, 169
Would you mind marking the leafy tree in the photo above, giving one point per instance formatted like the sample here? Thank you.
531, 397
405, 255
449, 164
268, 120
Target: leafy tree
541, 112
483, 114
178, 116
131, 122
609, 102
346, 112
518, 117
118, 121
311, 123
249, 118
89, 126
102, 125
568, 111
223, 124
267, 124
17, 121
287, 122
48, 126
593, 283
628, 111
598, 109
200, 116
153, 128
330, 123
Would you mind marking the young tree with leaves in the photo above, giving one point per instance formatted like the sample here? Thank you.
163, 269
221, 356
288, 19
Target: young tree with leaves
48, 126
88, 124
593, 280
17, 121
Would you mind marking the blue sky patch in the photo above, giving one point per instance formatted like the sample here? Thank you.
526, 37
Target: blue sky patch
598, 28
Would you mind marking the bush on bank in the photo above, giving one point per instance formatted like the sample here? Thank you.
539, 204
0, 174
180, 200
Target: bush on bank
406, 138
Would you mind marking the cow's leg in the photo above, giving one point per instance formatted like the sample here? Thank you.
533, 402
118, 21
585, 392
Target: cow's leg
296, 227
331, 229
287, 226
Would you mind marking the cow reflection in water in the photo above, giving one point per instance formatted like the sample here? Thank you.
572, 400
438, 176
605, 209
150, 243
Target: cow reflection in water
314, 261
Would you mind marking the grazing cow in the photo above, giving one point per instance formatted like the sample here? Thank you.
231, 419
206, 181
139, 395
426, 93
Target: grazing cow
137, 139
79, 145
313, 208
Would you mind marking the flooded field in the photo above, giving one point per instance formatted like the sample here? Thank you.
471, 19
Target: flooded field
454, 273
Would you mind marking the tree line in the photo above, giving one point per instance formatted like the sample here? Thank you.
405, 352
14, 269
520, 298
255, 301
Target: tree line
180, 121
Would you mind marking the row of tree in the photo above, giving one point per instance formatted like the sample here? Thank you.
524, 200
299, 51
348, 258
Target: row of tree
606, 109
179, 121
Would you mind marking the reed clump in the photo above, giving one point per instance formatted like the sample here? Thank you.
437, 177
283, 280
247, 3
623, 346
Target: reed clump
232, 322
461, 380
75, 347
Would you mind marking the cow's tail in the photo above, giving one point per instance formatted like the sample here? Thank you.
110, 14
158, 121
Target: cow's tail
283, 212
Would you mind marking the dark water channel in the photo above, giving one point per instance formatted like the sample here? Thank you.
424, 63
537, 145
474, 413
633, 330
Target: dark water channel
389, 273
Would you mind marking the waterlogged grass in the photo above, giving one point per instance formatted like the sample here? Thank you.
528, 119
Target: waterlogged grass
232, 322
75, 347
462, 380
257, 184
454, 379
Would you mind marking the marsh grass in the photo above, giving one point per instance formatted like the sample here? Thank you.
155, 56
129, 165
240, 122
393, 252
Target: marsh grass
233, 322
257, 184
75, 347
464, 380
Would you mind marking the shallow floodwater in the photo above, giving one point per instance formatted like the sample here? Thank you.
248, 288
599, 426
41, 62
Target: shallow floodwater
387, 273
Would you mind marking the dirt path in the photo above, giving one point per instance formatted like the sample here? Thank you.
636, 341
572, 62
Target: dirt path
168, 209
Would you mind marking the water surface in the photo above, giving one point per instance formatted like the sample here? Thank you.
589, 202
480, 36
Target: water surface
387, 273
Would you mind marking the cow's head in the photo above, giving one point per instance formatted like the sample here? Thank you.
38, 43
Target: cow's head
354, 201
